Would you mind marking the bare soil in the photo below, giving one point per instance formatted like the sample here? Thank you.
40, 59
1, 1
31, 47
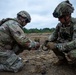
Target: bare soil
39, 62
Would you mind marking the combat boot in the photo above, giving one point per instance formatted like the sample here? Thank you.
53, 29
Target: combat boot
2, 67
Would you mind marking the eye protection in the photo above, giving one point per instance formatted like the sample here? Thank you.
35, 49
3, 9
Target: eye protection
25, 19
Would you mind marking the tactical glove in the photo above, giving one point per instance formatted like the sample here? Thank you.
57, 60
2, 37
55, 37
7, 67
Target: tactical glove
37, 45
51, 45
34, 45
44, 45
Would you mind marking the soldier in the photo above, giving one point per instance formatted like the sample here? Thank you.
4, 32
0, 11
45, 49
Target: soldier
13, 40
63, 39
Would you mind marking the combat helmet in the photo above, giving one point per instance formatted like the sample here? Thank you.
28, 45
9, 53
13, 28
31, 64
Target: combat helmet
63, 8
25, 14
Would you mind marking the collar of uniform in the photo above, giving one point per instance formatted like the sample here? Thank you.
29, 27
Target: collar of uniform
18, 22
73, 20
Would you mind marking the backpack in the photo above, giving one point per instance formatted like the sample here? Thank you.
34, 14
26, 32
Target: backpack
4, 20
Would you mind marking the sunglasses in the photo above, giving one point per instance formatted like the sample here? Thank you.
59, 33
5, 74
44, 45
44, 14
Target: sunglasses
25, 19
61, 16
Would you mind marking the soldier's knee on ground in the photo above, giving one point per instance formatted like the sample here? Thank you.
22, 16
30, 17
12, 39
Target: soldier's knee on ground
16, 67
72, 55
13, 63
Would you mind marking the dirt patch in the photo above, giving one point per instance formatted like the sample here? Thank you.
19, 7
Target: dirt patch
40, 62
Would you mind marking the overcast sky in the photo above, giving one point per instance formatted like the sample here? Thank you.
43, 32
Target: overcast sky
40, 11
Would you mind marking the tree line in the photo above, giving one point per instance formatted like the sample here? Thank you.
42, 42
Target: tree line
35, 30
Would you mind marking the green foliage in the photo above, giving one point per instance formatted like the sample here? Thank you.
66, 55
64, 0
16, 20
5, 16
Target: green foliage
45, 30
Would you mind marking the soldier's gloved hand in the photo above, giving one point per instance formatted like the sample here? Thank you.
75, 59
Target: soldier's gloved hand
44, 45
37, 45
34, 45
45, 42
51, 45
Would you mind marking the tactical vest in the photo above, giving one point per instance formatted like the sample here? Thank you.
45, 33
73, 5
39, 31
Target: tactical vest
65, 33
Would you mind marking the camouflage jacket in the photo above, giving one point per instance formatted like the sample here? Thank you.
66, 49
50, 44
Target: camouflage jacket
10, 33
65, 36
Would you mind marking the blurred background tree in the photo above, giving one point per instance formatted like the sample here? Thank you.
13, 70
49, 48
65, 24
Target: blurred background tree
35, 30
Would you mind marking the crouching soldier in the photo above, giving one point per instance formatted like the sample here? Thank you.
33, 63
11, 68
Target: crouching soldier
13, 40
63, 39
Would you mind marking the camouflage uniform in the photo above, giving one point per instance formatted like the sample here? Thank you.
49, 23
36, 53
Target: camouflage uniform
64, 36
11, 34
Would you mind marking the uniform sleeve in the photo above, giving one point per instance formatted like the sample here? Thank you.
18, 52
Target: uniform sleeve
69, 45
53, 37
18, 34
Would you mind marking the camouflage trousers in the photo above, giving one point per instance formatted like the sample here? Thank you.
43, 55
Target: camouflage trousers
9, 61
63, 54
